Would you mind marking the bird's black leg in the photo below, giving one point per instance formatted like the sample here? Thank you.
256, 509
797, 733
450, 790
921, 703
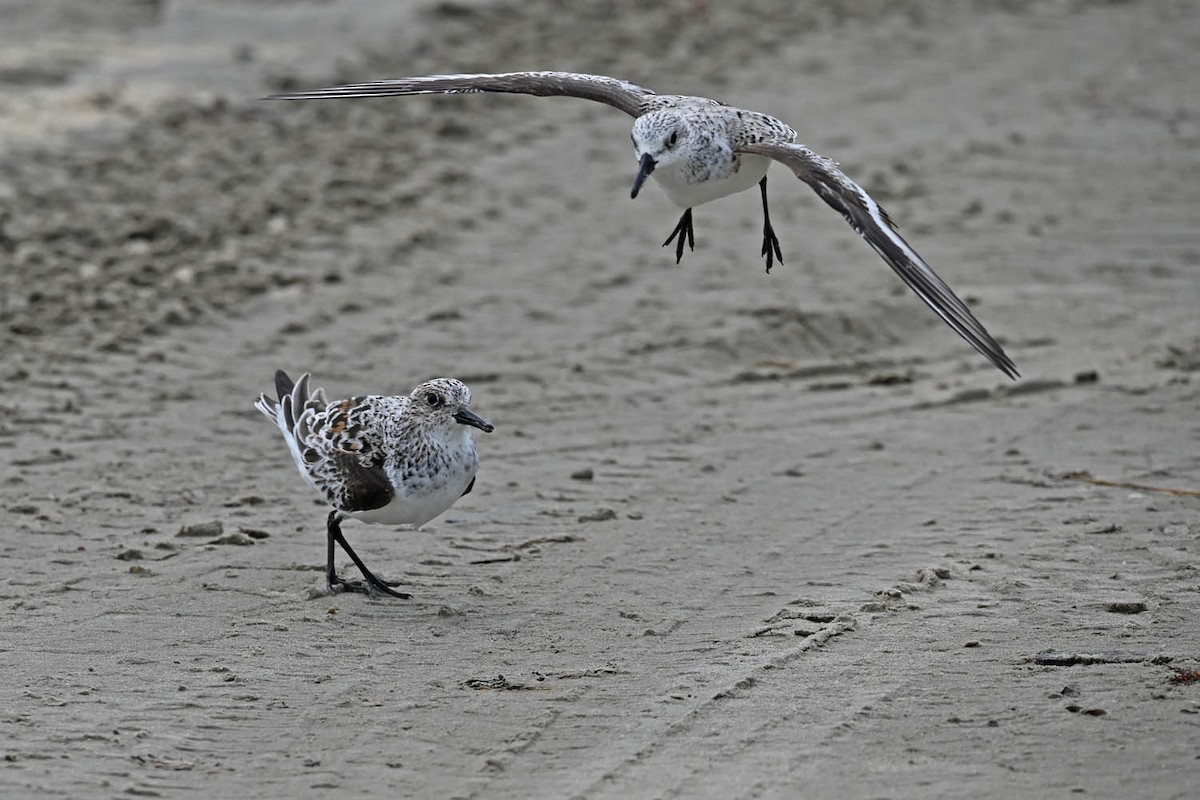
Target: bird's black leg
770, 240
682, 230
373, 584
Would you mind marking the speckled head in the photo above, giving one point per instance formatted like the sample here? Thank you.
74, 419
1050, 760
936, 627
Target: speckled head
659, 139
445, 400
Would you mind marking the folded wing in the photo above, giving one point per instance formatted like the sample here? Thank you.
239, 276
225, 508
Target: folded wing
328, 444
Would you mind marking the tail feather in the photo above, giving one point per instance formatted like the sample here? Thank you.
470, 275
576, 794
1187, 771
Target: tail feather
288, 413
293, 402
278, 411
300, 392
293, 396
283, 384
268, 407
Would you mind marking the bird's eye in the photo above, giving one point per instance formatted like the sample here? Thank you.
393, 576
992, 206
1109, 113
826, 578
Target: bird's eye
433, 399
671, 139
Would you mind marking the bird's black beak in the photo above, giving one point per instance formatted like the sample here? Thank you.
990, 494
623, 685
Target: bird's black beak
645, 167
466, 416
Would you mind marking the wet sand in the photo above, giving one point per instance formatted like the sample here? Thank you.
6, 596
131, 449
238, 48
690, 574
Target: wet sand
736, 534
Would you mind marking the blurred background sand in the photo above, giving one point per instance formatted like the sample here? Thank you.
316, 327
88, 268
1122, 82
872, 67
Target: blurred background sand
736, 534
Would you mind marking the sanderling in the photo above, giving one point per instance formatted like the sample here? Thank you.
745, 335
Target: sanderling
391, 460
698, 150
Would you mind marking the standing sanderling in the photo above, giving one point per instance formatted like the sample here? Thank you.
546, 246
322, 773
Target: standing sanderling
698, 150
391, 460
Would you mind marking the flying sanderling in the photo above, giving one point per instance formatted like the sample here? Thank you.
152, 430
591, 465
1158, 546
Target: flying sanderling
698, 150
392, 460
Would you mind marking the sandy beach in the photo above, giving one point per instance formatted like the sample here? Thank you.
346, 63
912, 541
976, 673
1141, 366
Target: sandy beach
736, 535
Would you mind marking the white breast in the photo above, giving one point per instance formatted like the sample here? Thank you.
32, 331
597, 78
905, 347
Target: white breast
687, 186
421, 497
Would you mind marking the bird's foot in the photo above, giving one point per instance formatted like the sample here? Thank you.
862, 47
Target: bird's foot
770, 248
683, 229
371, 585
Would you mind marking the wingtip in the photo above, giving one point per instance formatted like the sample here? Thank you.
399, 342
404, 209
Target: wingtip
1002, 362
310, 94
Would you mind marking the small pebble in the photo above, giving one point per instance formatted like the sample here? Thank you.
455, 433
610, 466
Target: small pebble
1131, 607
603, 515
202, 529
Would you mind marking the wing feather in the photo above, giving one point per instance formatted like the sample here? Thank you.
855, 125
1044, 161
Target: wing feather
622, 95
872, 223
328, 444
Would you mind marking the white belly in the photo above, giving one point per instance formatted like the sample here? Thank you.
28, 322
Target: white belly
422, 500
687, 188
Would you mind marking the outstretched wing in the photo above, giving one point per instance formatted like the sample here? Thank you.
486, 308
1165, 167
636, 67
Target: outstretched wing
623, 95
872, 223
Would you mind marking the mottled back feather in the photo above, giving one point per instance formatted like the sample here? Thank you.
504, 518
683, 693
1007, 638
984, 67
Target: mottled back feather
359, 453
